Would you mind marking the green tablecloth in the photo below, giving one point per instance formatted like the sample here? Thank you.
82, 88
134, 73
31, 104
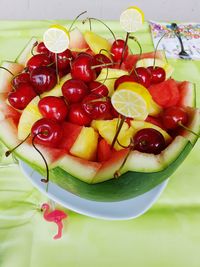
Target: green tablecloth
167, 235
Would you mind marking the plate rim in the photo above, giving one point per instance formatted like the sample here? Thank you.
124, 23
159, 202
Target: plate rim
26, 169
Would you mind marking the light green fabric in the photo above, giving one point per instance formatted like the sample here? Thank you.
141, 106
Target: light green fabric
167, 235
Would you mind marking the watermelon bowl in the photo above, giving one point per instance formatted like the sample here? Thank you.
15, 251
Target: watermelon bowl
87, 185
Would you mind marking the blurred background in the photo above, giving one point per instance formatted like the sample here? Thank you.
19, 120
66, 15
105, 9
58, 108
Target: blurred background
182, 10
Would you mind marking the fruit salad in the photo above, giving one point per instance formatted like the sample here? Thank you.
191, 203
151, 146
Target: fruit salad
90, 106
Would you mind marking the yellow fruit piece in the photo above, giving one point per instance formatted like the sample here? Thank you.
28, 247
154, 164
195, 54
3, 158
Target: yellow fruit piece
85, 146
29, 116
97, 43
153, 108
131, 100
108, 77
56, 39
132, 19
107, 129
56, 91
146, 62
138, 125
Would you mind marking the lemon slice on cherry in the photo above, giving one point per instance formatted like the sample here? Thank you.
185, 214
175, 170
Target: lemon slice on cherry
56, 39
132, 19
131, 100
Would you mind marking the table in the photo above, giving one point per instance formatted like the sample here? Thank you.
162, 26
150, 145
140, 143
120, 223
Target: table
167, 235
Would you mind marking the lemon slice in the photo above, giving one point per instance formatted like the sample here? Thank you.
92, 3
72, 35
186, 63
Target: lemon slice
56, 39
131, 20
29, 116
130, 101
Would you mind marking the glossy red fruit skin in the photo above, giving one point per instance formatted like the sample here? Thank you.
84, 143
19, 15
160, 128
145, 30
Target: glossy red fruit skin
81, 68
20, 98
52, 107
64, 59
101, 59
21, 78
155, 121
98, 88
43, 79
149, 140
48, 132
42, 49
37, 61
158, 74
96, 107
117, 50
143, 76
124, 78
78, 116
74, 90
172, 116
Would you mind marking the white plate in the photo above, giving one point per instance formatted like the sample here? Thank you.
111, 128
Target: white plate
121, 210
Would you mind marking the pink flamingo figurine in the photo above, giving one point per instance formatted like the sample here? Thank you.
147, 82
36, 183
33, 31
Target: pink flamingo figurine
54, 216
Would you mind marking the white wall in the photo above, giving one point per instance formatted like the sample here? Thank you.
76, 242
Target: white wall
184, 10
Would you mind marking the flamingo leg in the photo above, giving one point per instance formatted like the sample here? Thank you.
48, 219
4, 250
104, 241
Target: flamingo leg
59, 233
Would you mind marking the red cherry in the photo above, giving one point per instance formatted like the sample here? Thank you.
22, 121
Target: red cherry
47, 132
81, 68
143, 76
98, 88
37, 61
20, 98
23, 77
43, 79
96, 107
74, 90
100, 59
117, 50
124, 78
52, 107
172, 116
63, 59
158, 74
41, 48
77, 115
149, 140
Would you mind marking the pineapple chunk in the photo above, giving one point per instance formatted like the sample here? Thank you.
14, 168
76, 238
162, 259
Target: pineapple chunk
85, 146
107, 129
96, 43
108, 76
57, 90
29, 116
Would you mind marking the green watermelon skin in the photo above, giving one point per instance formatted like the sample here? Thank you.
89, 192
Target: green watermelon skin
128, 185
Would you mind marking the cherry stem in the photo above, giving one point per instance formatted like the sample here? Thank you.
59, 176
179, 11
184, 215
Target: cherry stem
7, 70
101, 65
57, 74
103, 24
156, 49
103, 82
118, 131
138, 43
189, 130
76, 18
34, 45
46, 165
7, 153
118, 172
102, 49
124, 48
